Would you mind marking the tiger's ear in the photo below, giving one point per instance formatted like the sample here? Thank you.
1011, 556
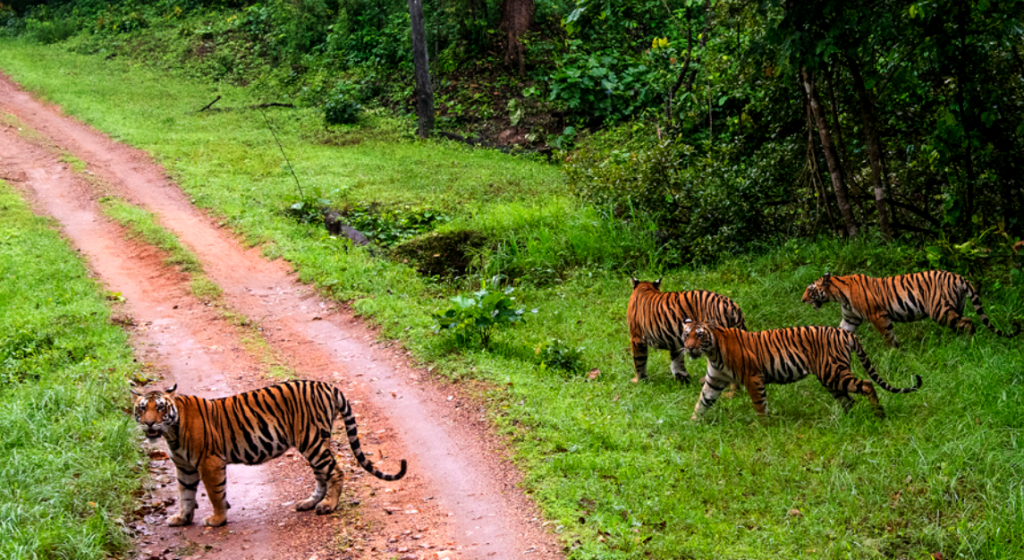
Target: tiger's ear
172, 389
657, 283
826, 279
134, 392
634, 281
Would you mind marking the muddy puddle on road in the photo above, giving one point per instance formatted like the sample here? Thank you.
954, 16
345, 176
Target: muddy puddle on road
460, 499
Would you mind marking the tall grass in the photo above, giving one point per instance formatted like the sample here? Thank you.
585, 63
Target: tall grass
617, 467
68, 459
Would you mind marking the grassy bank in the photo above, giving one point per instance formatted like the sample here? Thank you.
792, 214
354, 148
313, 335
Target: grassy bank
617, 467
68, 462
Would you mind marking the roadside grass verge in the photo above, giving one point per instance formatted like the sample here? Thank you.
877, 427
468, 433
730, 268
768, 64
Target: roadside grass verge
617, 467
69, 456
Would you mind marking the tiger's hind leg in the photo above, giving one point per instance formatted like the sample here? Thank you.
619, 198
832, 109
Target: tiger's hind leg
328, 476
843, 397
955, 320
639, 350
842, 383
678, 366
883, 324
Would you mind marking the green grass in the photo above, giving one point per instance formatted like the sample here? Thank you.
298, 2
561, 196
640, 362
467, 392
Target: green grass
617, 467
68, 458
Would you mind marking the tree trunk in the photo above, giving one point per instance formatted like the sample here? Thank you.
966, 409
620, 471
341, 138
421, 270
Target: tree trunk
966, 122
830, 153
874, 144
421, 68
516, 18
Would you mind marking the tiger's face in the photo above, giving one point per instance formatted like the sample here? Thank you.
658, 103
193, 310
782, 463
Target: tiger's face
698, 339
156, 412
818, 293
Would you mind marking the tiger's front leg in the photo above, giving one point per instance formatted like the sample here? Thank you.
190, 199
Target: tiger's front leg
188, 481
714, 384
215, 480
678, 365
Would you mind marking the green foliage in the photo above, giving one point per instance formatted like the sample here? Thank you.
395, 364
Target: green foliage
51, 31
389, 226
121, 19
556, 355
473, 317
341, 106
702, 201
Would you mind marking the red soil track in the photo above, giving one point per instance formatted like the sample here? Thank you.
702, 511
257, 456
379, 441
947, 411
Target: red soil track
460, 495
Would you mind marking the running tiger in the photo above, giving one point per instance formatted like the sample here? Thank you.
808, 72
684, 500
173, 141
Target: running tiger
205, 435
656, 319
910, 297
754, 359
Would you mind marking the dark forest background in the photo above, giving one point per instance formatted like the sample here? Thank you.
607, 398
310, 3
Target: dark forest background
728, 123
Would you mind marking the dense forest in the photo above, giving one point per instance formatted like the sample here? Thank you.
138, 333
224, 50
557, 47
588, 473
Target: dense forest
725, 124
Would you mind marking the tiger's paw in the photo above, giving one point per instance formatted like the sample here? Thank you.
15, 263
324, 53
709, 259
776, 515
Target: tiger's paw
306, 505
323, 508
215, 520
683, 378
179, 520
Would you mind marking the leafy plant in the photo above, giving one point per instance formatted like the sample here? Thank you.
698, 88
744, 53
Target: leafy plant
341, 106
556, 355
388, 227
473, 317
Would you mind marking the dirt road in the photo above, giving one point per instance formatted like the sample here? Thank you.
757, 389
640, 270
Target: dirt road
460, 498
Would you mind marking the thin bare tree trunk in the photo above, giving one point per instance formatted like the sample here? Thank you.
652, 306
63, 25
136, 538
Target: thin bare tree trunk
842, 197
421, 68
874, 144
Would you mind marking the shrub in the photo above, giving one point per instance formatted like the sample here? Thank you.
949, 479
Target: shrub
474, 317
49, 32
342, 106
704, 201
556, 355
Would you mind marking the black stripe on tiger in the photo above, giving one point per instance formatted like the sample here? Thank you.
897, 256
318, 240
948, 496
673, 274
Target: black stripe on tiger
655, 319
756, 359
935, 294
204, 435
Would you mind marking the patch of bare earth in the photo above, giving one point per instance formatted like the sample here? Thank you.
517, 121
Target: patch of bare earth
460, 498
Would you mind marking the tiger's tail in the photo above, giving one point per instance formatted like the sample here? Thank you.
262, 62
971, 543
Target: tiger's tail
353, 440
984, 318
868, 367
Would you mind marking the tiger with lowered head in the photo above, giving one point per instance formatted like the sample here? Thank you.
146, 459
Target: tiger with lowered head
755, 359
205, 435
656, 318
909, 297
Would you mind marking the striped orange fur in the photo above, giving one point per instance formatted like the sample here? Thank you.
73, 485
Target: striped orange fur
205, 435
937, 294
755, 359
656, 318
